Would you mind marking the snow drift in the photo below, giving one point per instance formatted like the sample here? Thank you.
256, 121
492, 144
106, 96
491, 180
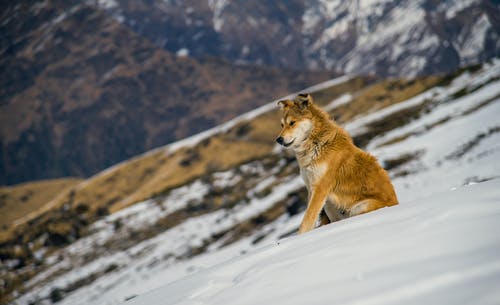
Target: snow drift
443, 249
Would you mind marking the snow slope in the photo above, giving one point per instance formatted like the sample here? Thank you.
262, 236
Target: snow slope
443, 249
456, 142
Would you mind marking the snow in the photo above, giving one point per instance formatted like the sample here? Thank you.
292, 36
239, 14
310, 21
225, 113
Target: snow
435, 168
471, 41
377, 24
441, 134
439, 250
107, 4
401, 36
455, 109
401, 20
451, 8
327, 84
146, 261
310, 19
225, 179
217, 7
183, 52
340, 101
464, 81
350, 36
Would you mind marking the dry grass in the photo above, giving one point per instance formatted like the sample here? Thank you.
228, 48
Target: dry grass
19, 200
381, 95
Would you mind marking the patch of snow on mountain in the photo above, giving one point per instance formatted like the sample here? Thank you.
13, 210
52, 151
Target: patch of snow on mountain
402, 37
471, 41
456, 142
107, 4
150, 256
310, 20
451, 8
225, 179
464, 81
402, 25
183, 52
446, 158
258, 205
217, 7
340, 101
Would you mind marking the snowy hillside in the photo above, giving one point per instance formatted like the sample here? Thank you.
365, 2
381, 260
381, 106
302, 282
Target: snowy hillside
456, 141
404, 38
441, 249
441, 139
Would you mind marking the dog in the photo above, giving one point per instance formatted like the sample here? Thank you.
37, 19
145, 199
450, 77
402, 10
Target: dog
341, 179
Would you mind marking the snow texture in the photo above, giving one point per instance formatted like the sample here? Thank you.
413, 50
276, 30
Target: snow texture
396, 35
342, 100
442, 249
397, 38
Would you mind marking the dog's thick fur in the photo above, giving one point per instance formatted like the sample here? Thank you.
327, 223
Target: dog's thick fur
340, 177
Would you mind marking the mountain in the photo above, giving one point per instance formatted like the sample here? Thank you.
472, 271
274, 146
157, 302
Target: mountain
396, 38
79, 91
187, 206
115, 78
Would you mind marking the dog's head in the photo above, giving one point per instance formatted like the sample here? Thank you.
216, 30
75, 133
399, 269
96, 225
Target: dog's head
296, 123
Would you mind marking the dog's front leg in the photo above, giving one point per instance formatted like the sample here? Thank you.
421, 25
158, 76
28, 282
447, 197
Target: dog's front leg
316, 203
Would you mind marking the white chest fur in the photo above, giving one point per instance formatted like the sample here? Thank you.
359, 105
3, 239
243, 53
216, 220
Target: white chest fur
312, 173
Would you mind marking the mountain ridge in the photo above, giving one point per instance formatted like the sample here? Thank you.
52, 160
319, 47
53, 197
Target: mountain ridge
386, 38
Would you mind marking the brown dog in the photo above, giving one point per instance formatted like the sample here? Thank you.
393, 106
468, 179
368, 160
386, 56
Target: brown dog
339, 176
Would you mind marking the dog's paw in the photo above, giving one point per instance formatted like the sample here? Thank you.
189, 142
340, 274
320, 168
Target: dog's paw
358, 208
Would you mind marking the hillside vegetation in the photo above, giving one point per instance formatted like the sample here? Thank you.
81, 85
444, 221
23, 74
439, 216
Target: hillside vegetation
18, 202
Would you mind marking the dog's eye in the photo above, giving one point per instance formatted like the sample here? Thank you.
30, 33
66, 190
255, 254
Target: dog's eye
292, 123
281, 124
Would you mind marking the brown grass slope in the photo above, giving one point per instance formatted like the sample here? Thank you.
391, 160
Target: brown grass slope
20, 201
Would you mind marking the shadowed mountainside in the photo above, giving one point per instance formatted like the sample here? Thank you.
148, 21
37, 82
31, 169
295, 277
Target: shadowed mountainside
80, 91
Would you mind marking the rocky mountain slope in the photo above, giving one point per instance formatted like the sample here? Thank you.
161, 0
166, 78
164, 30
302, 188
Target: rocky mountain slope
79, 91
402, 38
230, 189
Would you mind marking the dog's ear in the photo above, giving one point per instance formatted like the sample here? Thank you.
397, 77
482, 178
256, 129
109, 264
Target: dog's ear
285, 104
304, 100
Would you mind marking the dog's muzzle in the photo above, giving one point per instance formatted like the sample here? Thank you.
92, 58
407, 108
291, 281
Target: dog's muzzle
281, 141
